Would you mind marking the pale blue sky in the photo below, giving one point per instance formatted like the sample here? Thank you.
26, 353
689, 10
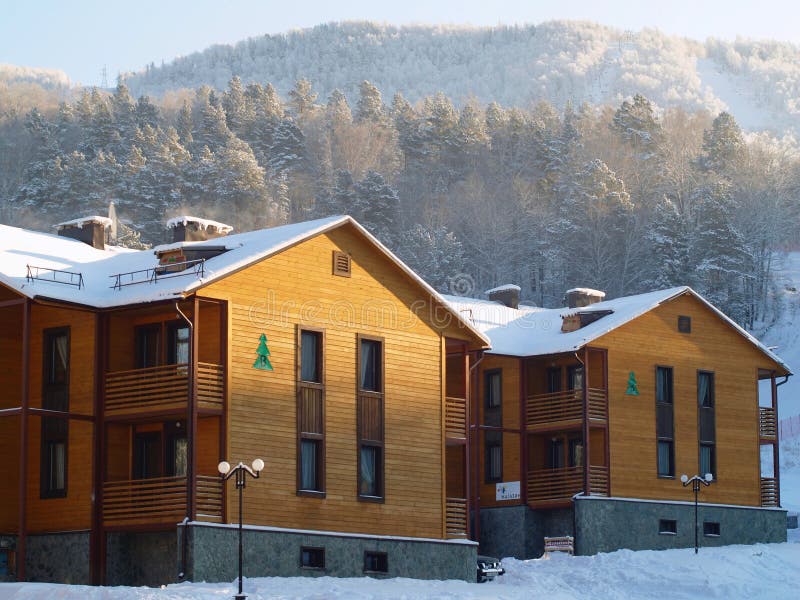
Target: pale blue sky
81, 36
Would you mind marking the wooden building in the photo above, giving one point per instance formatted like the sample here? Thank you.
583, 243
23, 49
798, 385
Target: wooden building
127, 376
585, 418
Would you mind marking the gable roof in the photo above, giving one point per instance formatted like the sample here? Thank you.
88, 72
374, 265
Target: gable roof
531, 331
20, 248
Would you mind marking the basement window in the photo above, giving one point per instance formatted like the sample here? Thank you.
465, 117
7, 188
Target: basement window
668, 527
710, 529
685, 324
376, 562
312, 558
341, 264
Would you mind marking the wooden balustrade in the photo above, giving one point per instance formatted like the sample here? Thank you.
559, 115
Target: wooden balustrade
160, 500
456, 517
769, 491
768, 424
558, 486
162, 388
559, 407
455, 417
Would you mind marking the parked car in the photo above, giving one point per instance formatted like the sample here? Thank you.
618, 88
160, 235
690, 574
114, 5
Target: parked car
489, 568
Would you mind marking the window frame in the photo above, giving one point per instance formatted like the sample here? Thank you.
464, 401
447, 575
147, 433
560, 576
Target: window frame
49, 437
384, 556
496, 443
684, 324
714, 525
572, 371
361, 441
662, 438
712, 410
318, 437
670, 530
139, 344
319, 549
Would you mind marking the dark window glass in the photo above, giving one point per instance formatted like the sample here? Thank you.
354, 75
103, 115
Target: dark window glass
56, 370
576, 452
685, 324
310, 461
370, 471
177, 448
575, 377
147, 455
371, 365
711, 528
708, 436
53, 464
664, 385
669, 526
666, 466
493, 466
665, 422
178, 349
148, 346
310, 356
553, 380
555, 453
376, 562
312, 558
494, 389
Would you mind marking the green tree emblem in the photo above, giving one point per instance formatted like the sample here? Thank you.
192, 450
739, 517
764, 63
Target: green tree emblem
262, 362
633, 387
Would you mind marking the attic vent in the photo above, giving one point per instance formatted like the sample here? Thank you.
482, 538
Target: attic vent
685, 324
341, 264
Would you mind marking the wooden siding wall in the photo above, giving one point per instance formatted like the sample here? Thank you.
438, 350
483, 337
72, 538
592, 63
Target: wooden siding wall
511, 441
455, 471
455, 377
10, 356
297, 286
712, 345
9, 473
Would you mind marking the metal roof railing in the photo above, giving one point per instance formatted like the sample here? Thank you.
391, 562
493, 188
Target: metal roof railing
73, 278
167, 271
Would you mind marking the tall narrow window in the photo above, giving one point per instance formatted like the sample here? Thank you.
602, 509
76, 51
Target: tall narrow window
555, 453
310, 413
147, 455
176, 450
493, 398
178, 344
493, 465
706, 425
148, 346
665, 444
575, 377
575, 452
55, 430
370, 409
553, 380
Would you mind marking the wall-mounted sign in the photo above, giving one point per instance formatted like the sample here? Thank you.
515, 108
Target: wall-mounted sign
508, 490
262, 361
633, 387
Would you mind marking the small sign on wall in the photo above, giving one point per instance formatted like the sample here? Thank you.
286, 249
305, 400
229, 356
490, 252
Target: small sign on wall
508, 490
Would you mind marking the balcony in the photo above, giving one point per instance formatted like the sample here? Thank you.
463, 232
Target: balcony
455, 418
556, 487
769, 491
164, 388
456, 517
768, 424
159, 501
560, 409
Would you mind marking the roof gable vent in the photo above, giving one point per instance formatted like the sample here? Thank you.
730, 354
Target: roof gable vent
341, 264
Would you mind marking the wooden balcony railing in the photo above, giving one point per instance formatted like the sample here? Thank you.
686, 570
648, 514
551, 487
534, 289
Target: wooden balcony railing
768, 424
162, 388
769, 491
557, 486
159, 500
455, 417
456, 517
557, 407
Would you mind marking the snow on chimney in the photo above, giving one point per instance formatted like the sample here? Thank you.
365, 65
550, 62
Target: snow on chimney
89, 230
186, 228
505, 294
580, 297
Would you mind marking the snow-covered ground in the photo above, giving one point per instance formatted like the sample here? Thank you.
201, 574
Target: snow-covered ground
753, 572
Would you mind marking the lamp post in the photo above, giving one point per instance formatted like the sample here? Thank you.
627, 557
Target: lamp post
240, 471
696, 482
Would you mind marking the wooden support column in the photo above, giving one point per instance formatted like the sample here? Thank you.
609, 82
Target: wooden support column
604, 354
97, 547
523, 427
476, 448
223, 425
23, 441
585, 392
193, 357
776, 464
467, 442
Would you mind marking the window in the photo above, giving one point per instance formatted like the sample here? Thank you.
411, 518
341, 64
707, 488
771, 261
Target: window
147, 455
370, 425
575, 377
55, 430
576, 452
684, 324
555, 453
493, 442
178, 344
665, 443
493, 398
312, 558
711, 529
553, 380
668, 527
376, 562
177, 449
148, 346
310, 413
706, 426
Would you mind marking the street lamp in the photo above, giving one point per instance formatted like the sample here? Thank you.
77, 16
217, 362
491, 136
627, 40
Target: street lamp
696, 482
240, 471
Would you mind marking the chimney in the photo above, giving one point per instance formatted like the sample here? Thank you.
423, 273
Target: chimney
505, 294
89, 230
193, 229
580, 297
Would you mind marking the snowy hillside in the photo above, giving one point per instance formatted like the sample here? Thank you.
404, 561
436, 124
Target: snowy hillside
559, 61
47, 78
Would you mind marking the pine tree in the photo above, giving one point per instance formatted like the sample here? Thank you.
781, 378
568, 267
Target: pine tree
723, 146
302, 99
287, 149
668, 239
376, 206
185, 125
370, 105
635, 122
337, 111
435, 253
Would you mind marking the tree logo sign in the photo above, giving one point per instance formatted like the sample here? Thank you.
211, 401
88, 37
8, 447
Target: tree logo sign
262, 360
633, 386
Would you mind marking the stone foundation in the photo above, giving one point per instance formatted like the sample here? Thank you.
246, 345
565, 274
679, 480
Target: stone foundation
519, 531
141, 558
58, 557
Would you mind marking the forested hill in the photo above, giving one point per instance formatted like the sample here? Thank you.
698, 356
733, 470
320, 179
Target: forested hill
757, 81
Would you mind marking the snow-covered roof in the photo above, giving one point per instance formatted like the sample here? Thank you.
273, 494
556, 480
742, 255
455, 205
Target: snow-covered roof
587, 292
20, 248
79, 223
531, 331
201, 223
504, 288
